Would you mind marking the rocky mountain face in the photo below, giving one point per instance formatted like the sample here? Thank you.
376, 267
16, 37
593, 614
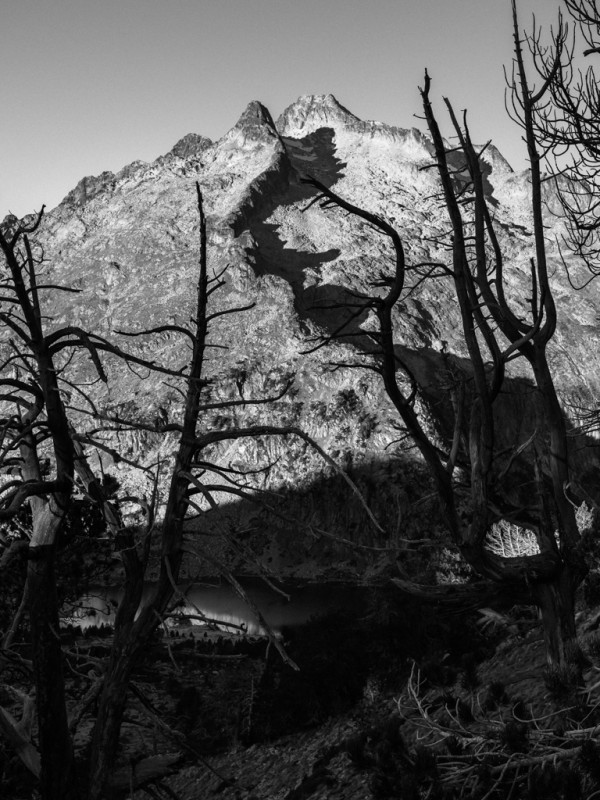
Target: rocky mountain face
129, 243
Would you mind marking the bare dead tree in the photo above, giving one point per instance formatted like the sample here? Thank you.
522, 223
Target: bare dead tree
37, 434
567, 125
42, 418
495, 331
29, 385
195, 479
135, 621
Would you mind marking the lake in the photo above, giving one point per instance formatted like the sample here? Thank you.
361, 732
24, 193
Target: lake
219, 602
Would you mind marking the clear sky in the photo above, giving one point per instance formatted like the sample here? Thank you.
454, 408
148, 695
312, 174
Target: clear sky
91, 85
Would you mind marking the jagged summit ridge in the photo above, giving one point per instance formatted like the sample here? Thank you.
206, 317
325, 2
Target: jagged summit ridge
255, 126
311, 112
190, 145
314, 111
256, 113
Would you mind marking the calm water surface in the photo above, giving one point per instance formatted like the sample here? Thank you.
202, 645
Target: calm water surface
221, 603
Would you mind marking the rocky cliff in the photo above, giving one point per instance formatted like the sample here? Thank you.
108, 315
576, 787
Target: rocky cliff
128, 243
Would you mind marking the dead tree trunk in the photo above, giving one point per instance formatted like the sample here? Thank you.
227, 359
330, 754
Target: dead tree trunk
41, 416
133, 632
130, 633
58, 777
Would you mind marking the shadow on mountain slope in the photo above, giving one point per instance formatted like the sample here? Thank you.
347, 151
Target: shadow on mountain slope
323, 304
321, 530
304, 538
518, 418
518, 412
314, 154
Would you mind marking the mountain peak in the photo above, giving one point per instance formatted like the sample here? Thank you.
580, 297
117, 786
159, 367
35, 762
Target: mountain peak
312, 111
189, 145
256, 113
255, 125
496, 160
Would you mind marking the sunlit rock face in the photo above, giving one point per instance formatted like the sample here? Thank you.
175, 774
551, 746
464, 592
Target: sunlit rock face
128, 242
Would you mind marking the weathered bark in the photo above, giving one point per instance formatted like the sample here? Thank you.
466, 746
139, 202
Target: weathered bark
558, 457
111, 707
58, 776
39, 405
556, 602
126, 645
556, 598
